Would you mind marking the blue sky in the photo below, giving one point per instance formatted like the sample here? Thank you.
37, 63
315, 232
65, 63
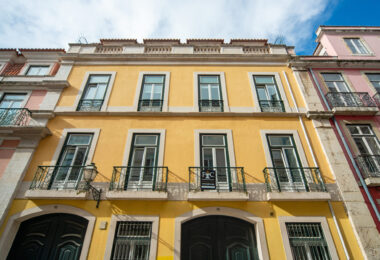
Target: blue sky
55, 23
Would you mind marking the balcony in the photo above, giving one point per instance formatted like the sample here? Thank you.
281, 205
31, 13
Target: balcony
217, 183
57, 182
295, 184
272, 106
90, 105
150, 105
370, 168
129, 182
210, 105
376, 98
14, 117
352, 102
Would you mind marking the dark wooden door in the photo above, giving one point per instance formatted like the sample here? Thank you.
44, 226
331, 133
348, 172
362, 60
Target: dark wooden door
52, 236
218, 238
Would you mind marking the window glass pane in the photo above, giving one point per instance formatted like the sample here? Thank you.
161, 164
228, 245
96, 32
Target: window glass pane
157, 92
212, 140
215, 92
365, 129
14, 96
291, 158
342, 87
68, 156
99, 79
220, 157
138, 154
91, 92
204, 92
37, 70
374, 77
262, 93
373, 145
353, 129
264, 79
146, 140
101, 91
76, 139
154, 79
278, 161
272, 92
350, 44
150, 156
359, 44
279, 140
6, 104
332, 76
207, 157
209, 79
147, 91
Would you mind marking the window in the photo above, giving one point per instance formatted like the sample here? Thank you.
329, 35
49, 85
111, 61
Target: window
10, 112
12, 100
151, 97
356, 46
132, 240
143, 161
68, 171
375, 80
94, 93
369, 148
286, 162
210, 94
214, 156
335, 82
268, 95
307, 241
339, 93
36, 70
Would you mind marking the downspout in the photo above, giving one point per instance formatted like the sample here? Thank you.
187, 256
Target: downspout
357, 171
315, 163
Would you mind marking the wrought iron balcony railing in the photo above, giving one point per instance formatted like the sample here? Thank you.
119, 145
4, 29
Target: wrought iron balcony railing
139, 178
211, 105
294, 179
217, 178
150, 105
350, 99
272, 105
14, 116
376, 97
57, 178
369, 165
90, 105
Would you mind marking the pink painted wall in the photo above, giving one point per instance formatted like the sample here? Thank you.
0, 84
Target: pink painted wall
7, 149
36, 99
335, 46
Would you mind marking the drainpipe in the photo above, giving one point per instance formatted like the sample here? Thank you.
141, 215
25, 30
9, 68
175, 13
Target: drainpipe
357, 171
316, 164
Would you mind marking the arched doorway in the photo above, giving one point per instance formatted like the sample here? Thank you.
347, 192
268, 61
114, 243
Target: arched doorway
218, 237
51, 236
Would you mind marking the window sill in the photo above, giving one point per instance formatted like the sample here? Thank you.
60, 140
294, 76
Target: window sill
55, 194
219, 196
372, 181
355, 110
298, 196
136, 195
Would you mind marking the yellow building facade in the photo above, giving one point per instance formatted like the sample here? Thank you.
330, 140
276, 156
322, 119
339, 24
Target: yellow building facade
215, 158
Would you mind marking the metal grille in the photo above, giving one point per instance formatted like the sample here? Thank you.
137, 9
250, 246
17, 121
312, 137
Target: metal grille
132, 241
307, 241
210, 105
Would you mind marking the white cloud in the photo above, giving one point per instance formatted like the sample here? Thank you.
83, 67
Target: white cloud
54, 23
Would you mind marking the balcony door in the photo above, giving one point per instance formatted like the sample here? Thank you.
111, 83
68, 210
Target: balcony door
9, 104
286, 163
210, 94
143, 161
151, 97
95, 91
214, 156
267, 93
68, 171
340, 95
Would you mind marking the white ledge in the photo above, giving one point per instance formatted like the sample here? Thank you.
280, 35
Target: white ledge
355, 110
298, 196
55, 194
372, 181
136, 195
212, 195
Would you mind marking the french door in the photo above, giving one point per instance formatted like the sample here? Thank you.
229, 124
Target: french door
151, 97
210, 98
8, 116
286, 162
143, 161
336, 84
68, 171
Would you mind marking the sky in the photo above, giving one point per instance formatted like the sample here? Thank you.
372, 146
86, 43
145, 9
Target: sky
55, 23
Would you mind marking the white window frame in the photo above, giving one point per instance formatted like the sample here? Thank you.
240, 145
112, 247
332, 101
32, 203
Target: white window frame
296, 138
66, 132
369, 52
128, 144
83, 86
10, 91
280, 88
223, 88
133, 218
165, 95
25, 69
325, 227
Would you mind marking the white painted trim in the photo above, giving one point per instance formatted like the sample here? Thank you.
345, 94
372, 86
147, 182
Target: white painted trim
66, 131
139, 87
197, 142
128, 144
25, 69
297, 141
223, 88
223, 211
11, 91
15, 220
84, 83
279, 86
325, 227
112, 229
